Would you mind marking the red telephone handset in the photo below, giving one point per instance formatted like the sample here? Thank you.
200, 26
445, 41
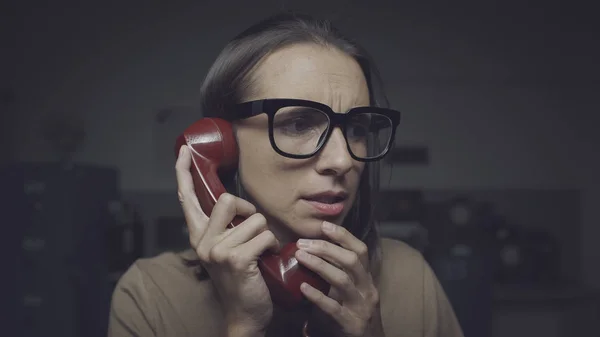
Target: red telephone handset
212, 144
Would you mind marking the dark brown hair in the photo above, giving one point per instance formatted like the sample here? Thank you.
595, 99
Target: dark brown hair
228, 82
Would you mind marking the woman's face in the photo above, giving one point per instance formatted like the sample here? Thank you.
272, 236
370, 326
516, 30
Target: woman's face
283, 189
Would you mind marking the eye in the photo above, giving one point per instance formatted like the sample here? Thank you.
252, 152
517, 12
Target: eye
359, 126
300, 121
298, 125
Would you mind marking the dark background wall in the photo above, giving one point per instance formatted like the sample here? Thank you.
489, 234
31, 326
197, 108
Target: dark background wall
503, 94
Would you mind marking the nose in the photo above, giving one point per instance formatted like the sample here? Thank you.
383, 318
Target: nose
334, 158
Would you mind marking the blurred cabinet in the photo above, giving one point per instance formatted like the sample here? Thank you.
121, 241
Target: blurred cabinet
559, 311
509, 260
124, 239
55, 221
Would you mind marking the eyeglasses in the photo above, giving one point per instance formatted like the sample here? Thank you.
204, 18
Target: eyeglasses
299, 128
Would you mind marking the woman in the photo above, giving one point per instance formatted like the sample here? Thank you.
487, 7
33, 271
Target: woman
307, 178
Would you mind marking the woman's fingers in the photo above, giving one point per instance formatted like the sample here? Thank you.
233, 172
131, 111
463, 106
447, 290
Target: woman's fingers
328, 305
194, 216
342, 236
251, 227
200, 224
336, 277
239, 256
225, 210
264, 241
340, 257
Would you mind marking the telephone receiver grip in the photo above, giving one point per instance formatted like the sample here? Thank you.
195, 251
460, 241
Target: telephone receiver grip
213, 149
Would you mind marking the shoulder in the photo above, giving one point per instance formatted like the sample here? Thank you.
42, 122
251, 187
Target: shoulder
164, 295
403, 271
412, 299
167, 268
171, 276
168, 274
400, 263
397, 251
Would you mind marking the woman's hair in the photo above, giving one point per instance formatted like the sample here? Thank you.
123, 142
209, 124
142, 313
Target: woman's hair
229, 82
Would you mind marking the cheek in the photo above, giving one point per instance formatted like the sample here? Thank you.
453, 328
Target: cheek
254, 157
261, 168
357, 176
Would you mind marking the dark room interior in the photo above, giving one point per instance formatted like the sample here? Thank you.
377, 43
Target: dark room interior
493, 177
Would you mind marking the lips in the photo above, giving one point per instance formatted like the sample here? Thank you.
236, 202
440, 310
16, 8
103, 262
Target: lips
327, 199
329, 203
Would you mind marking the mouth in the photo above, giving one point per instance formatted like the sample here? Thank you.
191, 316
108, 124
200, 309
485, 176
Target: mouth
327, 203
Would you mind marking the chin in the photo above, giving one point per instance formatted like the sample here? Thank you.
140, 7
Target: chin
311, 228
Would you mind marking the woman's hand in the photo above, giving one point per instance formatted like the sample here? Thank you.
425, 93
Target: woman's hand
353, 300
230, 255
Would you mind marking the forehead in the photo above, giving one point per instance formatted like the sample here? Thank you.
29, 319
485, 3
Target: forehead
313, 72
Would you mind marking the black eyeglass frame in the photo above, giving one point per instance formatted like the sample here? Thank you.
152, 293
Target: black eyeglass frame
272, 105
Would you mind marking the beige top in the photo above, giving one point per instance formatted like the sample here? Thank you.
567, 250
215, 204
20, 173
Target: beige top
161, 297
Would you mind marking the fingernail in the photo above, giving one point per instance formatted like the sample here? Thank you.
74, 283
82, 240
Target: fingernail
181, 150
328, 226
302, 254
303, 243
